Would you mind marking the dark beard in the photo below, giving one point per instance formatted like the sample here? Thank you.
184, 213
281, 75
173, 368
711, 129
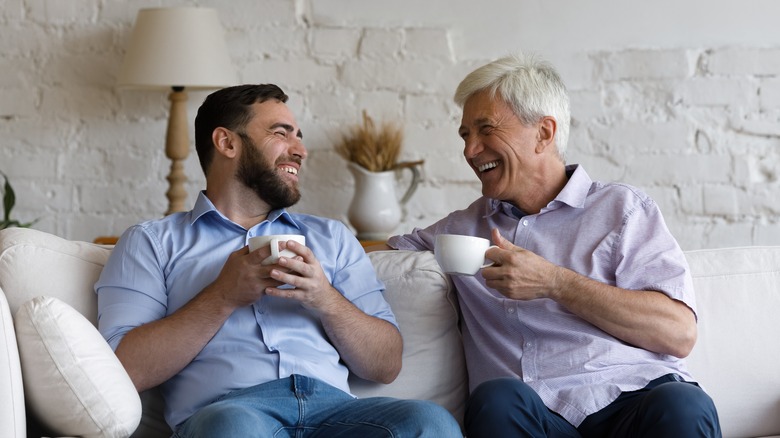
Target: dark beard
260, 176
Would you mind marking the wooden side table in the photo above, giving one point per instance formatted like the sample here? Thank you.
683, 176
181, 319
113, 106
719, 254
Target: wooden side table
106, 240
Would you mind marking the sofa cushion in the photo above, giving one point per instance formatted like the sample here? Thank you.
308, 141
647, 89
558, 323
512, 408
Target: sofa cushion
426, 308
72, 379
12, 413
33, 262
737, 353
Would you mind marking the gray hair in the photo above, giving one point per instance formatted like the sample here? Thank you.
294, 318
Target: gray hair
530, 86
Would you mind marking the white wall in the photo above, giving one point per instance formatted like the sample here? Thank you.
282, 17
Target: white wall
679, 98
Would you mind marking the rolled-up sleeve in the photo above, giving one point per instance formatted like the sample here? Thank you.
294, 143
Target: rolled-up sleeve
131, 288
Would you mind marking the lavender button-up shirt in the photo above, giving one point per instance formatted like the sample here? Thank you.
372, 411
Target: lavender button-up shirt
609, 232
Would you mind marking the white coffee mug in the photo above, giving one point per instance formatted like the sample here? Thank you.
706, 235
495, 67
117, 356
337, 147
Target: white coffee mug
273, 240
459, 254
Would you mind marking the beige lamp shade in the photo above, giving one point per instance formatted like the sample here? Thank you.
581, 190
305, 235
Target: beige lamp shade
177, 47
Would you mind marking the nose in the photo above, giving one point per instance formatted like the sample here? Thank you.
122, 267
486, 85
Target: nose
298, 149
471, 146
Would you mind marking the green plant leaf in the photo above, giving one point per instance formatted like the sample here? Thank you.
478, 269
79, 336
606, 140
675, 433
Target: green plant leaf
9, 199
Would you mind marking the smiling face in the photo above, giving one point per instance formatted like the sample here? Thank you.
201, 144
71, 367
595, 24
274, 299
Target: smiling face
271, 155
502, 151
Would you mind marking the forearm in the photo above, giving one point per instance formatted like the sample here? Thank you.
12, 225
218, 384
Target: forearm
371, 347
646, 319
155, 352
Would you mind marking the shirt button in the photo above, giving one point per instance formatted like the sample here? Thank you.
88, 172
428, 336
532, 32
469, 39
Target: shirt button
525, 222
527, 345
511, 310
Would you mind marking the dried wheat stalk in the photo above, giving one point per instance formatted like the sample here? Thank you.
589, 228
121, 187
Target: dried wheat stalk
376, 149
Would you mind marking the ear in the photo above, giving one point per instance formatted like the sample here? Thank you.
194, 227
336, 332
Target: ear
548, 127
225, 142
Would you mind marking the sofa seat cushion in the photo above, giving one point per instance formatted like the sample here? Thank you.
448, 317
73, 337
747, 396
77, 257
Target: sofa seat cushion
736, 356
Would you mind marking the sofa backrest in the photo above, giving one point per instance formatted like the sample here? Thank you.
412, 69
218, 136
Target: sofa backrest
736, 358
34, 263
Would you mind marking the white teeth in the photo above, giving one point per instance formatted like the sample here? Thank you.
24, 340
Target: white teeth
487, 166
291, 170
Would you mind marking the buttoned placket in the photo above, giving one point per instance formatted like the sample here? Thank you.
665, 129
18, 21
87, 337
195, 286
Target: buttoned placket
513, 310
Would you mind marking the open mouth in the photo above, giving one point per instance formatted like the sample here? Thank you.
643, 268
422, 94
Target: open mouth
487, 166
289, 169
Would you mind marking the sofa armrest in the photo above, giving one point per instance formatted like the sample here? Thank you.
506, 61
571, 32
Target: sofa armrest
735, 357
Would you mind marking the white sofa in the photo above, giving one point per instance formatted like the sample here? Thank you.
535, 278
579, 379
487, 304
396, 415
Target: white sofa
735, 359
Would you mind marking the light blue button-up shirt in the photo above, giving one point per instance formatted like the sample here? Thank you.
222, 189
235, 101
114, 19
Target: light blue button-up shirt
610, 232
158, 266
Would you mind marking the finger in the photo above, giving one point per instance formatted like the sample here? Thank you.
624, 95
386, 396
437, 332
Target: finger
286, 278
499, 240
302, 250
260, 254
290, 294
296, 265
492, 272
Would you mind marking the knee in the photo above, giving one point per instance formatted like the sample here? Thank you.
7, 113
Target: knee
501, 394
499, 399
222, 420
432, 419
422, 418
681, 404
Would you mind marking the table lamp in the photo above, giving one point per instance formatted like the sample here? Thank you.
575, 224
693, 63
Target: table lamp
176, 49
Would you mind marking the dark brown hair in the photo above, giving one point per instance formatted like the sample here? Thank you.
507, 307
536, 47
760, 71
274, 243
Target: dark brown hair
229, 108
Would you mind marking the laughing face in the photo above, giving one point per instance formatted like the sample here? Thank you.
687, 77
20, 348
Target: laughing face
270, 165
499, 148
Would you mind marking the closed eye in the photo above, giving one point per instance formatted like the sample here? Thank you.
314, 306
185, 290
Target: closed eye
485, 129
285, 129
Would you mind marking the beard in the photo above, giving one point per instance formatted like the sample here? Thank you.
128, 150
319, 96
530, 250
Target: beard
262, 178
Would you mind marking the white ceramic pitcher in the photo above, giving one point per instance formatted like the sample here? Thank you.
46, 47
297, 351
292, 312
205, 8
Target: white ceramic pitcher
375, 210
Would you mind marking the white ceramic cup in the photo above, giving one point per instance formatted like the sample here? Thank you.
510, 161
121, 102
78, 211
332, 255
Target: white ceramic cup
273, 240
459, 254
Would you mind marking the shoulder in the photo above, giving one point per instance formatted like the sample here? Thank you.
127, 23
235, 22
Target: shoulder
318, 223
323, 229
618, 192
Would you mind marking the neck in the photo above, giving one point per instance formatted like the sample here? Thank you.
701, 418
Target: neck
238, 203
549, 184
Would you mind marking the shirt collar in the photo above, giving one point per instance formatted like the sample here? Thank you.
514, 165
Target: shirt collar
203, 206
576, 190
573, 194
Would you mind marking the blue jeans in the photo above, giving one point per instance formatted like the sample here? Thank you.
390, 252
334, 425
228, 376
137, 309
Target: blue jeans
666, 407
299, 406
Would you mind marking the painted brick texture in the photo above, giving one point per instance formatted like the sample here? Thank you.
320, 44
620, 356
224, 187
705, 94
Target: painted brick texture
695, 125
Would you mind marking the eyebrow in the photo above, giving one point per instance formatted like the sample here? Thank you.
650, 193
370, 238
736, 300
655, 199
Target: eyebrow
478, 122
287, 127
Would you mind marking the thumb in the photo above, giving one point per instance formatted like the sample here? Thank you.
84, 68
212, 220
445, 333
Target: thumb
500, 241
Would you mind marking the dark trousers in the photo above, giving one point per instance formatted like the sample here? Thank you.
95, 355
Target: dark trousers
666, 407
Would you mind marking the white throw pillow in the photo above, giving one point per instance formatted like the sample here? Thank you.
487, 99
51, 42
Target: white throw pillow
73, 381
426, 308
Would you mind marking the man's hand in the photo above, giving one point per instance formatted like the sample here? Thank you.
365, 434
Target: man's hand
243, 278
371, 347
519, 274
304, 273
645, 318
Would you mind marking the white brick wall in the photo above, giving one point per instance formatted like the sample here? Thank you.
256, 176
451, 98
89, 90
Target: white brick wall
686, 110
